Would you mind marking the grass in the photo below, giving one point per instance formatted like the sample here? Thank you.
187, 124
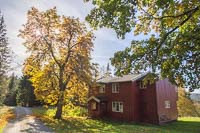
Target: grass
81, 124
6, 113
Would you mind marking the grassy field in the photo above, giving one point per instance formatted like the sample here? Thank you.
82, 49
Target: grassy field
81, 124
6, 113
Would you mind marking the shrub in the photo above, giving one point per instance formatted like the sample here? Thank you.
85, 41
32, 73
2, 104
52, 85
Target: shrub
75, 111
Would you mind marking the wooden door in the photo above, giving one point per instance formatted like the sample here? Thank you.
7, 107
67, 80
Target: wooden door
143, 106
103, 107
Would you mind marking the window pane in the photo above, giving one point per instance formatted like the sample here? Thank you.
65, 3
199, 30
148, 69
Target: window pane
115, 87
112, 87
93, 105
167, 104
117, 107
114, 104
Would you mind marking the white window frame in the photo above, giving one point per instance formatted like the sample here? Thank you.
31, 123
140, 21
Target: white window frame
115, 87
117, 106
142, 85
167, 104
102, 89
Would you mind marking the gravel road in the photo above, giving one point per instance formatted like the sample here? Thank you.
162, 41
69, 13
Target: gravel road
25, 123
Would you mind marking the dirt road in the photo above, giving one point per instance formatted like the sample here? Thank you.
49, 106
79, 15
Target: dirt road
25, 123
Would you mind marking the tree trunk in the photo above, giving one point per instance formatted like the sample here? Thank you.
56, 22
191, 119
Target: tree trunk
58, 114
62, 87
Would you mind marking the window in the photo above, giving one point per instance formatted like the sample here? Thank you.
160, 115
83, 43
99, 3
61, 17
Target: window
115, 88
142, 85
167, 104
117, 106
102, 89
93, 105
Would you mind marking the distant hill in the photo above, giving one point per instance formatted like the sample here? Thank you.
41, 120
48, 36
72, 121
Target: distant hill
195, 97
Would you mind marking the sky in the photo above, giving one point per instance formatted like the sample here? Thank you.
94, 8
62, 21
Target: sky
15, 13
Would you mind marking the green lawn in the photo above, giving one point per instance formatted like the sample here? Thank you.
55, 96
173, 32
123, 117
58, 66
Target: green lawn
6, 113
81, 124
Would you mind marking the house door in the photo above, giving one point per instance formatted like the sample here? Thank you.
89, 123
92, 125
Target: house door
103, 108
143, 107
143, 111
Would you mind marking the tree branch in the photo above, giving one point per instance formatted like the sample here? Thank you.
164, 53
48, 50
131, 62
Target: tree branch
51, 51
175, 28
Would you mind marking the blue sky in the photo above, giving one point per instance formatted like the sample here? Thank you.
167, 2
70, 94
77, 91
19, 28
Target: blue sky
14, 11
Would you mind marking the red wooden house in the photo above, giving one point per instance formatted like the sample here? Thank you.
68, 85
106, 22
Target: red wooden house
127, 98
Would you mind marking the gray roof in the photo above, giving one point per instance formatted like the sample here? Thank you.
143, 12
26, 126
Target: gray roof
124, 78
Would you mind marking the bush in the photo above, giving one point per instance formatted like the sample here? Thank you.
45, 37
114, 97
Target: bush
185, 105
50, 111
75, 111
197, 106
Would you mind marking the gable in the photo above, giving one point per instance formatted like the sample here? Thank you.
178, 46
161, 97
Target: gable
94, 98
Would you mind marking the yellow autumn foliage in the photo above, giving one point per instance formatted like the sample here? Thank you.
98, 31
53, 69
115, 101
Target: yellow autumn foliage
59, 63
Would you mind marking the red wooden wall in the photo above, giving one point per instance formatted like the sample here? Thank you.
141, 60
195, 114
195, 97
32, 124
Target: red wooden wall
166, 91
140, 105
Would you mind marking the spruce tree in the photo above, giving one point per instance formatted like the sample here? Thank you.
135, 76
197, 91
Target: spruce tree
4, 49
25, 93
4, 59
10, 98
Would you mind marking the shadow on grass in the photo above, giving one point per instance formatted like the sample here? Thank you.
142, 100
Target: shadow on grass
80, 124
71, 124
182, 127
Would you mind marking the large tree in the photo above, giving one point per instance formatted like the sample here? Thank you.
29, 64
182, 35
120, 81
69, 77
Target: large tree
4, 49
173, 29
60, 50
4, 59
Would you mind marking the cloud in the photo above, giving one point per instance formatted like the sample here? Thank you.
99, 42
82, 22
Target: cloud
105, 44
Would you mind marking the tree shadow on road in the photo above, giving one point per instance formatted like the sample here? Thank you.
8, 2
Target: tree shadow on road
36, 126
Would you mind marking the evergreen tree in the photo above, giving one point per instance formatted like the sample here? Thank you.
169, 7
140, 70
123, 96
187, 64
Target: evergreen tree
108, 71
4, 59
104, 71
25, 92
3, 88
4, 49
11, 84
10, 98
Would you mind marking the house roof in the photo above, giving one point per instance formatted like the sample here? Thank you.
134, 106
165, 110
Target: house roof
94, 98
124, 78
98, 98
